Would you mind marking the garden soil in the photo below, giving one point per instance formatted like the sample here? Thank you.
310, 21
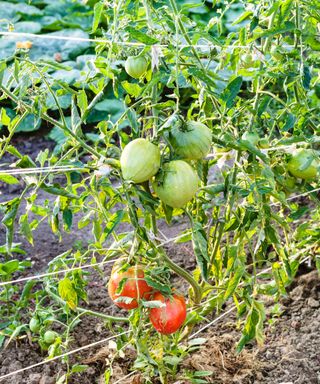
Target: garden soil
289, 355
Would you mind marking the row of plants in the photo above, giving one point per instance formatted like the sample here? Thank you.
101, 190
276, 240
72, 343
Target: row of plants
218, 127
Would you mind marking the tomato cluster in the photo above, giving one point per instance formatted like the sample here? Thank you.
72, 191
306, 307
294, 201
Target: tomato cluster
176, 182
127, 288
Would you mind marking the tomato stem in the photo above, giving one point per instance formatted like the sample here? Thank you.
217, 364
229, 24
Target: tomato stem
184, 274
83, 310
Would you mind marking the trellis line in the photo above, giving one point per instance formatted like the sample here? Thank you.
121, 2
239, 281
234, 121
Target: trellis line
168, 241
229, 311
124, 43
40, 276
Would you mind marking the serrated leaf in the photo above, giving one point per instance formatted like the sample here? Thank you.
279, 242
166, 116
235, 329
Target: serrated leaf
306, 77
25, 228
233, 282
133, 89
57, 190
114, 220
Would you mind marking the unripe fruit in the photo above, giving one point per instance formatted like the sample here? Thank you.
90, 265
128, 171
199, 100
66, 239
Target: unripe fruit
304, 164
34, 325
50, 337
176, 184
140, 160
136, 66
192, 141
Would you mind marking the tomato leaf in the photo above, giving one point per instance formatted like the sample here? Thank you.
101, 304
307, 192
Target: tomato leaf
9, 179
68, 293
141, 36
200, 247
231, 91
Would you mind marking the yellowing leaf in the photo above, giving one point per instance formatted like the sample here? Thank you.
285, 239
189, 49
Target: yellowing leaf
68, 293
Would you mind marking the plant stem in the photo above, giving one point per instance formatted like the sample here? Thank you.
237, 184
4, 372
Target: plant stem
83, 310
109, 161
194, 51
184, 274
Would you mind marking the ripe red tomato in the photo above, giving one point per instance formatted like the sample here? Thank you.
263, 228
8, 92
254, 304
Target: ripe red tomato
134, 286
168, 319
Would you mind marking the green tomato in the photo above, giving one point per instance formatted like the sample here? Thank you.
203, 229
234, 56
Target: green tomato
140, 160
252, 137
136, 66
263, 143
276, 53
192, 141
248, 61
177, 184
304, 164
34, 325
50, 337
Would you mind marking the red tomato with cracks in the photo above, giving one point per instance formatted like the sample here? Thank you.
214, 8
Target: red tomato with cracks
132, 285
170, 318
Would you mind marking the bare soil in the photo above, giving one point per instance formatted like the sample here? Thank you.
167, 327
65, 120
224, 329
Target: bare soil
290, 355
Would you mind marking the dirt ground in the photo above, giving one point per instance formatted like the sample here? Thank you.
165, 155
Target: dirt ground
290, 355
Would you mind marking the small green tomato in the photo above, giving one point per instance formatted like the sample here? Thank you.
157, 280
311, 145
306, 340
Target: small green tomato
252, 137
34, 325
136, 66
50, 337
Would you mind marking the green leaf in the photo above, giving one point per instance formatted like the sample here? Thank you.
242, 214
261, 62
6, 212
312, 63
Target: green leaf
133, 89
200, 247
233, 282
253, 325
97, 13
4, 118
114, 220
57, 190
202, 76
157, 285
25, 228
9, 267
67, 218
67, 292
82, 101
278, 30
231, 91
140, 36
9, 220
306, 77
9, 179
